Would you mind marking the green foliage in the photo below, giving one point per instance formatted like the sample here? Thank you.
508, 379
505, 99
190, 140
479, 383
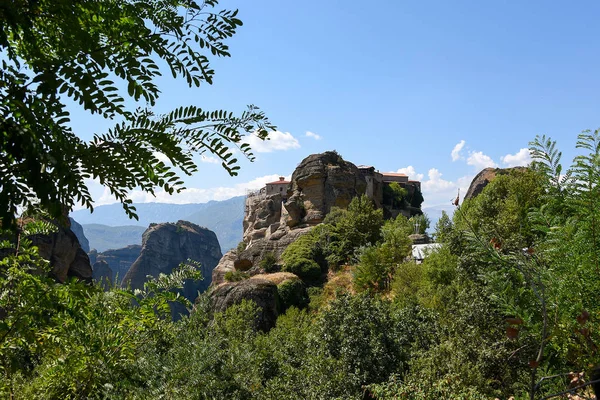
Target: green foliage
306, 255
269, 262
500, 211
360, 332
241, 247
73, 340
420, 223
359, 225
292, 293
395, 196
54, 53
482, 317
443, 228
377, 264
305, 268
448, 387
236, 276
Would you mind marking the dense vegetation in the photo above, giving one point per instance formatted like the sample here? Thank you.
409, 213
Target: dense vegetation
509, 298
106, 57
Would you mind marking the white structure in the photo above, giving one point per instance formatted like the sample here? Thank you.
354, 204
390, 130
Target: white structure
420, 251
279, 186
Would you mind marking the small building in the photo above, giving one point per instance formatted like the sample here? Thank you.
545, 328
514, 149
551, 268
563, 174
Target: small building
374, 183
421, 251
389, 177
279, 186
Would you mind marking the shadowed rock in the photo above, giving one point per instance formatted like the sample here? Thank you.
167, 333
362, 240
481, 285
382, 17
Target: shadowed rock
67, 258
165, 246
261, 291
102, 274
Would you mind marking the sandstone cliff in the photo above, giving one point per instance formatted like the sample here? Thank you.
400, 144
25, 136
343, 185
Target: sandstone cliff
272, 222
165, 246
484, 177
62, 249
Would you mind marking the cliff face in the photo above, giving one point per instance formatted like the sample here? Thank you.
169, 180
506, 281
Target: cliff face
102, 274
320, 182
484, 177
272, 222
119, 260
165, 246
78, 231
65, 254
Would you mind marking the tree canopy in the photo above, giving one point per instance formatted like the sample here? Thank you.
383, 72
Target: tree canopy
106, 56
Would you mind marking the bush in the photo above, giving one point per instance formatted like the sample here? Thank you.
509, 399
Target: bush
292, 293
306, 269
241, 247
269, 262
236, 276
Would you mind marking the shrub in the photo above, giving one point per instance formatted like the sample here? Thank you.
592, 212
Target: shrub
236, 276
292, 293
241, 247
306, 269
268, 263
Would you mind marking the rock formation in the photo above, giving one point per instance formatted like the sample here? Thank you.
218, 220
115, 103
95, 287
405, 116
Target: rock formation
484, 177
78, 231
272, 222
322, 181
119, 260
102, 274
165, 246
262, 291
67, 258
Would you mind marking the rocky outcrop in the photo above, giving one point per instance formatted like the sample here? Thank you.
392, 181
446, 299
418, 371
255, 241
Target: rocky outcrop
165, 246
102, 274
119, 260
322, 181
272, 222
249, 259
78, 231
67, 258
484, 177
261, 291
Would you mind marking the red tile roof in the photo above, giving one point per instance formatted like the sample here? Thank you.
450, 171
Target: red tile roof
277, 182
393, 174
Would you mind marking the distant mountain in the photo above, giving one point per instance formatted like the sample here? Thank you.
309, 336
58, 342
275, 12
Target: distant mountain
104, 237
435, 212
225, 218
109, 228
113, 214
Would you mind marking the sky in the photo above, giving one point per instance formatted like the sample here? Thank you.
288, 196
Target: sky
435, 89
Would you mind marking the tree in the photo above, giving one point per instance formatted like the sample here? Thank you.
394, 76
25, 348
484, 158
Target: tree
55, 51
359, 225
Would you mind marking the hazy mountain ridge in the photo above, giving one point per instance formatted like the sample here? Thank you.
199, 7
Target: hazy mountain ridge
108, 227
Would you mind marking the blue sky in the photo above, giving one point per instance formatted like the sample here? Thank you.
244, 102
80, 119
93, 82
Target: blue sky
399, 85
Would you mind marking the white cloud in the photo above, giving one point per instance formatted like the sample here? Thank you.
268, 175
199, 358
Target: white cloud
520, 158
435, 183
192, 195
209, 159
436, 190
313, 135
480, 160
412, 174
278, 141
456, 150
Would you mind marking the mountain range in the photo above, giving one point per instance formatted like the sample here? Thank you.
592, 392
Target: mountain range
108, 227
